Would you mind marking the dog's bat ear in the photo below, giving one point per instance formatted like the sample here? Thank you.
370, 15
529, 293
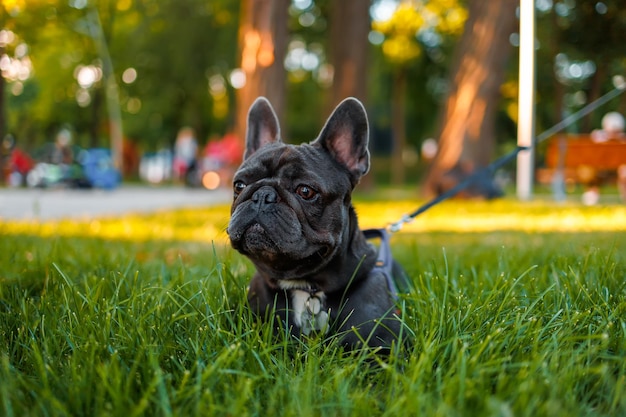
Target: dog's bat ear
345, 136
263, 127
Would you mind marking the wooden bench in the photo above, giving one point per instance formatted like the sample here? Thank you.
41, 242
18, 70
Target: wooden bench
583, 159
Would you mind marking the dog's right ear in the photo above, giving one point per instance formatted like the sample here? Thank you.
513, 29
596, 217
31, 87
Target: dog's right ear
345, 137
263, 127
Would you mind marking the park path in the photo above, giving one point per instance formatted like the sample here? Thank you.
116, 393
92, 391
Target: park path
38, 204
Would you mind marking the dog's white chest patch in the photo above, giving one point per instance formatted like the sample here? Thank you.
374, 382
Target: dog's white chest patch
309, 312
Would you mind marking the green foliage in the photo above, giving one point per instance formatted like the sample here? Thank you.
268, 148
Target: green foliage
174, 47
410, 19
582, 32
498, 323
175, 50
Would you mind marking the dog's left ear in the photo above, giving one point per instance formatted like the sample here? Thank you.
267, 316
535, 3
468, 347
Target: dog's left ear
345, 137
263, 127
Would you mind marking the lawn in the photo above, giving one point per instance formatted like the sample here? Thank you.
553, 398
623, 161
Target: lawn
517, 310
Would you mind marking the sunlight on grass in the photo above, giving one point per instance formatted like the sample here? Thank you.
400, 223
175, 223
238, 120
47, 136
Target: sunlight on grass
481, 216
209, 224
200, 225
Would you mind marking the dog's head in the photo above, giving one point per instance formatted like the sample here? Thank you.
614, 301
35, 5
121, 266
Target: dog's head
292, 213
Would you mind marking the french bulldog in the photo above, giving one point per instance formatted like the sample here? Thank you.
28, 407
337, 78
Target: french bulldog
292, 216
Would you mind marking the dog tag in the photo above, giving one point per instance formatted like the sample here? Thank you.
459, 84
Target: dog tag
309, 311
313, 305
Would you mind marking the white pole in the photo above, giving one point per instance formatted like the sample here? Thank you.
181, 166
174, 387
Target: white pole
526, 100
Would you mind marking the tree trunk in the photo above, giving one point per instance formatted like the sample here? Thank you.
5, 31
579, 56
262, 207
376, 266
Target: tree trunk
349, 28
559, 92
398, 121
263, 37
466, 133
3, 129
595, 91
95, 126
3, 124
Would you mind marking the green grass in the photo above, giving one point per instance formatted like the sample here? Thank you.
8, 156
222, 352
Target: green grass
500, 323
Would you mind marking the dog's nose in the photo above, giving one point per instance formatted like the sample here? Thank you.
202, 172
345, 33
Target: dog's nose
265, 195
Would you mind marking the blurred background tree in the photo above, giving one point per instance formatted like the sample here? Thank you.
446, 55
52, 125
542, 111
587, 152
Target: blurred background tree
591, 35
349, 50
263, 36
415, 25
467, 128
171, 60
180, 63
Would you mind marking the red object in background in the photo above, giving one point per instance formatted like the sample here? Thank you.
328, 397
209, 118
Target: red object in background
233, 151
20, 162
227, 150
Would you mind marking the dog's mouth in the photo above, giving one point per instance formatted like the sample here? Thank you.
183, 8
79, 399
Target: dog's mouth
255, 239
256, 228
263, 248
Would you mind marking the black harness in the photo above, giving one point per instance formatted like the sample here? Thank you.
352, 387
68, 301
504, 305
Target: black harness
384, 260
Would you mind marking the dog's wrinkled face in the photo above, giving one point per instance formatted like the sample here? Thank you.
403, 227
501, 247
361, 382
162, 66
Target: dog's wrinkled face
286, 216
292, 204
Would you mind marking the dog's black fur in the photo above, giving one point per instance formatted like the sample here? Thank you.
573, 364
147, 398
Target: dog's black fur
292, 216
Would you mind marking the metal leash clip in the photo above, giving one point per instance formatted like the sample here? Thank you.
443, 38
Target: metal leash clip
397, 226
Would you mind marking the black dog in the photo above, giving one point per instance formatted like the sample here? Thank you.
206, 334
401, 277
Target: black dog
292, 215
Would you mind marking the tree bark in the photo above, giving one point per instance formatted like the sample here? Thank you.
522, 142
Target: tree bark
467, 124
263, 37
3, 129
398, 125
595, 91
350, 26
3, 125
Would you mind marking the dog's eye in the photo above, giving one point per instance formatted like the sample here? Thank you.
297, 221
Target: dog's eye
238, 187
306, 192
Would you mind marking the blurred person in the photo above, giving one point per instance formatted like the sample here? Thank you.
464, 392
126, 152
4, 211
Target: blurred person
589, 177
21, 164
59, 166
62, 153
185, 152
220, 158
612, 129
18, 163
227, 150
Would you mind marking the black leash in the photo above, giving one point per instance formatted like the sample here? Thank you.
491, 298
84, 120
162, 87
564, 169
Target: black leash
491, 168
488, 170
